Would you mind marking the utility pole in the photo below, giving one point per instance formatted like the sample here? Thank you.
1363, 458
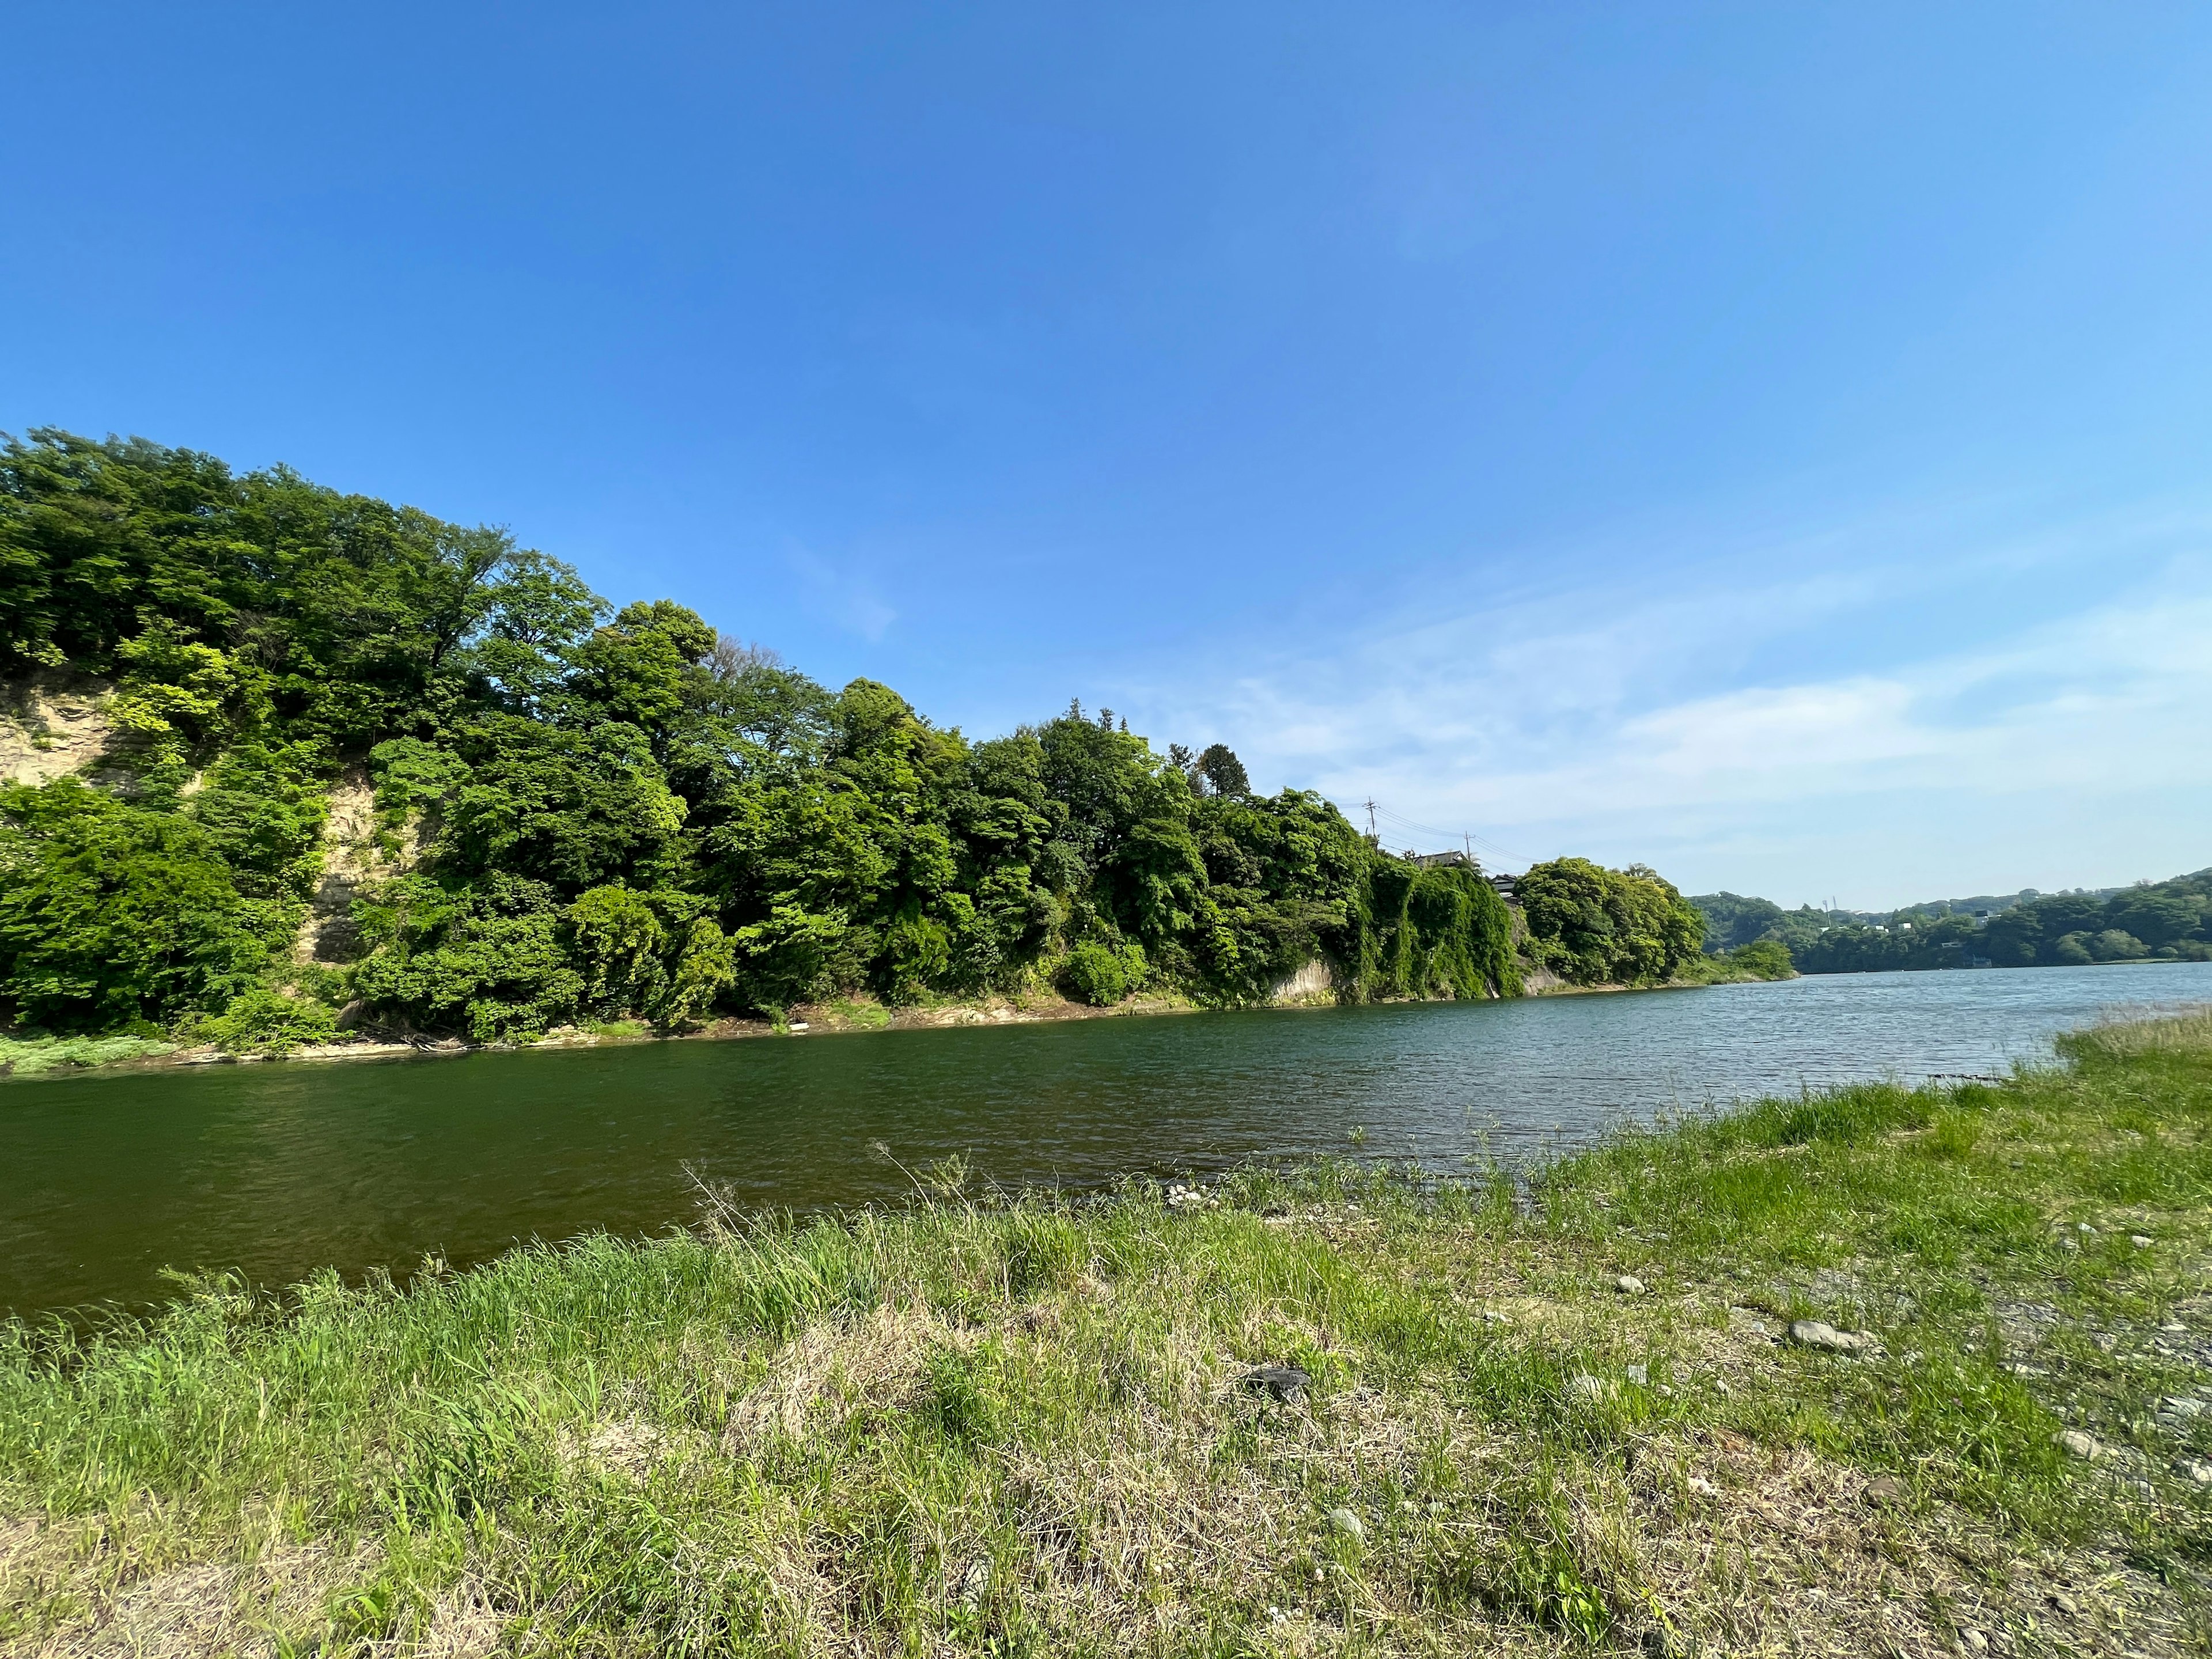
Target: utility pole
1370, 818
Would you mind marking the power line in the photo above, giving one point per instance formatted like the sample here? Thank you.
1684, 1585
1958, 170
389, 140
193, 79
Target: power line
1399, 820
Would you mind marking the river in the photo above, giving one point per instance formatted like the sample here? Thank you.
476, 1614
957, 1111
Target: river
278, 1169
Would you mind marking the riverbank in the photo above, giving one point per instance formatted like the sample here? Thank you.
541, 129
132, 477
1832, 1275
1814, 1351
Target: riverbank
1572, 1414
35, 1056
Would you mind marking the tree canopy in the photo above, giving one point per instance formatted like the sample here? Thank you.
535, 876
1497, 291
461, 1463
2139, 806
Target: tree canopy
2167, 921
592, 813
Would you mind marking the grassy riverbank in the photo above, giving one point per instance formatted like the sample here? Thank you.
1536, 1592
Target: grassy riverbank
1008, 1427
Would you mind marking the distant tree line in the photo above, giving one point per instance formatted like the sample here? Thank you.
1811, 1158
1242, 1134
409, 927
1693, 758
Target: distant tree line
2167, 921
591, 814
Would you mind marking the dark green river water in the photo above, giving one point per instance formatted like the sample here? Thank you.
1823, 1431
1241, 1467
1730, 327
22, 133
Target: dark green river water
278, 1169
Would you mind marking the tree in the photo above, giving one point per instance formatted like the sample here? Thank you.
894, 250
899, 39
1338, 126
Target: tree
1594, 925
1223, 772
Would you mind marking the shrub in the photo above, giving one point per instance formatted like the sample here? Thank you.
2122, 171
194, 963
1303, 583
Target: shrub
110, 914
263, 1021
1766, 959
1101, 975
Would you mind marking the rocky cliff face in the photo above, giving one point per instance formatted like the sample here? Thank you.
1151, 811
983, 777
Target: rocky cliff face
1311, 983
51, 725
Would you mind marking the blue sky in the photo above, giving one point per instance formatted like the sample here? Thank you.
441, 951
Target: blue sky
1769, 442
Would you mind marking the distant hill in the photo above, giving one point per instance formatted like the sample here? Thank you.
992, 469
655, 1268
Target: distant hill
2167, 920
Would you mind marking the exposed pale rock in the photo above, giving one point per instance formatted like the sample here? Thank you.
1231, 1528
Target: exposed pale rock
1818, 1334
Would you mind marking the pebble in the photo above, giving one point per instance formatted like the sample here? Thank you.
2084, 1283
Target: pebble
2180, 1404
1973, 1641
1491, 1316
1347, 1524
2139, 1241
2197, 1470
1629, 1285
2083, 1227
1885, 1491
2063, 1602
1703, 1487
2074, 1443
1818, 1334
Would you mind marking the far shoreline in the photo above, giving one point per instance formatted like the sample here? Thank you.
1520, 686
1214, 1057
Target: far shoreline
838, 1017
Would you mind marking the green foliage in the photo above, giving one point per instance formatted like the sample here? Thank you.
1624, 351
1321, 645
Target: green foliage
2169, 920
1763, 958
263, 1021
486, 960
111, 915
655, 955
610, 816
1101, 974
1592, 926
26, 1056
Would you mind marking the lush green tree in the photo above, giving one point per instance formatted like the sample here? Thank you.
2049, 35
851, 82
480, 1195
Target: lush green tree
586, 812
1593, 925
1733, 920
112, 916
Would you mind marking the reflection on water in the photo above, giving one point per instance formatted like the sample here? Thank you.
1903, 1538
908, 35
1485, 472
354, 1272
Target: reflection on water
281, 1169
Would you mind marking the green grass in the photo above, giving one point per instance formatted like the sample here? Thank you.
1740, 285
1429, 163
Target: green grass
993, 1426
26, 1056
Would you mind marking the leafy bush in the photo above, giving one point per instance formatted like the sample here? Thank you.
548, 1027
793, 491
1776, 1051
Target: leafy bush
112, 914
1102, 974
263, 1021
1593, 925
1763, 958
488, 961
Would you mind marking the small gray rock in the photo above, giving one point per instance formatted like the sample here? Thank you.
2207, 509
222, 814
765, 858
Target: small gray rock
1818, 1334
1973, 1641
2074, 1443
1629, 1285
1640, 1376
2064, 1603
2180, 1404
1345, 1522
1286, 1383
2139, 1241
2196, 1469
1885, 1491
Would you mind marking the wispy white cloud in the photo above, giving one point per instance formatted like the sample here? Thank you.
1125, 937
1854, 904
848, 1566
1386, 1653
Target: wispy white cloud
1628, 724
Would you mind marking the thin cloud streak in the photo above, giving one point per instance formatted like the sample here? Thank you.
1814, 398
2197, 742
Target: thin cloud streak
1616, 724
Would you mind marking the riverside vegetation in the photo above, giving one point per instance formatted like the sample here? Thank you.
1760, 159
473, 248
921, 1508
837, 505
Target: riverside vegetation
1875, 1370
284, 755
2151, 921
